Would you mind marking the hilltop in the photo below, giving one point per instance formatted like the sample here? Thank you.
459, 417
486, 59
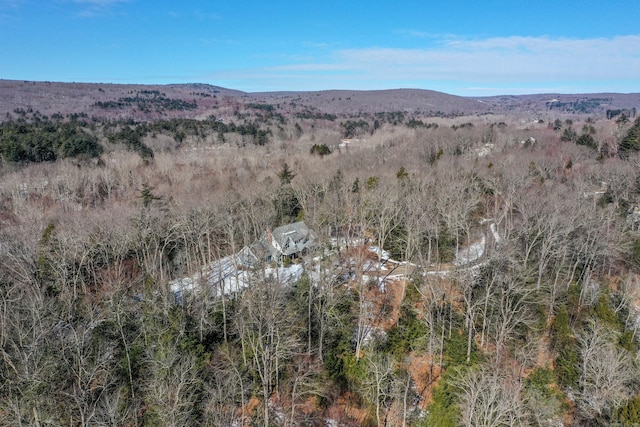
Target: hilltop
153, 102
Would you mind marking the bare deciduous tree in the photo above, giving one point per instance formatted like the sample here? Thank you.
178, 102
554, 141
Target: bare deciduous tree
172, 384
378, 384
488, 398
606, 372
268, 334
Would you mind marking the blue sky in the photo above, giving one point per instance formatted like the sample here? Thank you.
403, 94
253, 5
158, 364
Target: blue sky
461, 47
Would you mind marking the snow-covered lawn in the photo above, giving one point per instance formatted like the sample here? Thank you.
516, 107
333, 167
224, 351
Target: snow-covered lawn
225, 276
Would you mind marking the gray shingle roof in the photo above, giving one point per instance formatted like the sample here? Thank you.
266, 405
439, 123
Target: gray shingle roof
293, 238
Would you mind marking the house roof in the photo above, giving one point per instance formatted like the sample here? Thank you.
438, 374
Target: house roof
296, 230
285, 240
292, 238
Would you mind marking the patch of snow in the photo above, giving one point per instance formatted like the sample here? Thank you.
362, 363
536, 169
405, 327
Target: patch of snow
286, 275
634, 215
470, 254
345, 142
222, 277
485, 150
439, 273
528, 142
635, 315
494, 231
384, 255
588, 194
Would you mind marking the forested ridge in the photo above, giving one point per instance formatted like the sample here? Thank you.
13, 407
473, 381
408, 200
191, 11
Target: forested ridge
506, 293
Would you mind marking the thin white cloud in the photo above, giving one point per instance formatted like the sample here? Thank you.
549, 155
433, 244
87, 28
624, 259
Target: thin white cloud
511, 58
8, 8
472, 66
194, 15
93, 8
318, 45
100, 3
310, 67
10, 4
415, 34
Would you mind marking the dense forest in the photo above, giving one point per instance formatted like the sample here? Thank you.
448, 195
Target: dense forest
471, 270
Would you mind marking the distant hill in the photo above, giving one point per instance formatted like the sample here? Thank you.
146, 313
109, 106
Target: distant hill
593, 103
152, 102
375, 101
142, 102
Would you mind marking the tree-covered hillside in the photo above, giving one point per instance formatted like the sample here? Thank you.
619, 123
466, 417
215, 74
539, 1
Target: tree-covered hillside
472, 271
